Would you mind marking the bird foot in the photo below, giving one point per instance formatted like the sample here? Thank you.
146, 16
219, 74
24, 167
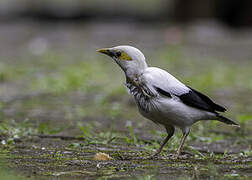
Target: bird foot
178, 153
171, 156
154, 156
179, 156
174, 156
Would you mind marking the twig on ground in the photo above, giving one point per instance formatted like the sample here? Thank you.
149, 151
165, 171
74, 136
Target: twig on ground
59, 137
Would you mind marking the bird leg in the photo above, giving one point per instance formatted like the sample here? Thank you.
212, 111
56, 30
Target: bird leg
185, 134
163, 144
170, 130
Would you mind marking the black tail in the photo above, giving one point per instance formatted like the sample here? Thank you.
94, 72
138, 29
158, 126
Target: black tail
226, 120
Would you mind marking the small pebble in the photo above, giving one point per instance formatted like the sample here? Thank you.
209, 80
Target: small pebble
3, 142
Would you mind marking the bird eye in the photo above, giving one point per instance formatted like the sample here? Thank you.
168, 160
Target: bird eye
118, 53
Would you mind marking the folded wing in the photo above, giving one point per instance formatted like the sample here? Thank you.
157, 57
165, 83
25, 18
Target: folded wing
167, 85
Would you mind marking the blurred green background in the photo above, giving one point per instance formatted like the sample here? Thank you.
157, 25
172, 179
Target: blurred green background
52, 81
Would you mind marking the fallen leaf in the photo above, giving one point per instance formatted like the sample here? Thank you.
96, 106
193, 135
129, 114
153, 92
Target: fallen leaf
102, 157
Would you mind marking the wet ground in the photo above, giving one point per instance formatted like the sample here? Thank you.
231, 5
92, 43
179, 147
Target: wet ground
61, 103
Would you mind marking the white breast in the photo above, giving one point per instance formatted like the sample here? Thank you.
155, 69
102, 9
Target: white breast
142, 100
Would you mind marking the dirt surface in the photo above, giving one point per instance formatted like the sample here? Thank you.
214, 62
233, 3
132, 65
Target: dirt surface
46, 157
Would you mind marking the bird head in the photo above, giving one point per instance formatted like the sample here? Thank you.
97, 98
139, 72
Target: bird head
130, 59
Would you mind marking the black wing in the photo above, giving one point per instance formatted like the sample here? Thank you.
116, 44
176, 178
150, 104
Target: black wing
196, 99
163, 92
217, 107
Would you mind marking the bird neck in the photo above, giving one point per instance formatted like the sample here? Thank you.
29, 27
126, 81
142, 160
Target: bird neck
136, 70
133, 73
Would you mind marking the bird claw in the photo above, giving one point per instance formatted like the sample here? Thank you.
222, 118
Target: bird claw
176, 156
154, 156
180, 155
172, 156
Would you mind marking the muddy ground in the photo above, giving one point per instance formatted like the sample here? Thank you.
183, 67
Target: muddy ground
61, 103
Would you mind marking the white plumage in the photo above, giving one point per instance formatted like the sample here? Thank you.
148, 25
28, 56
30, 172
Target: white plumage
162, 98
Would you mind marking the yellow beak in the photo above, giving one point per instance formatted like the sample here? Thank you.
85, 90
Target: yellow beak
103, 50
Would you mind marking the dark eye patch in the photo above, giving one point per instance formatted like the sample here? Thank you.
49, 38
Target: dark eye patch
118, 53
110, 53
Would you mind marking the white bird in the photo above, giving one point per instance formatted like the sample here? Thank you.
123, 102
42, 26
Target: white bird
162, 98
